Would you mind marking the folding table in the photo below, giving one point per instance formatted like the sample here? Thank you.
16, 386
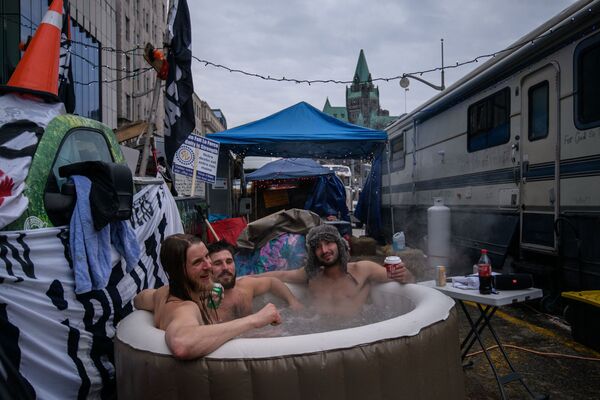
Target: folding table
487, 306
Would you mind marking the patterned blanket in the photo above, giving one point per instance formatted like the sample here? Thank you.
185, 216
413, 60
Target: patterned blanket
287, 251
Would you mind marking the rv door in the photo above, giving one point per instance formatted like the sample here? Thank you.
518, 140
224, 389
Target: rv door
539, 156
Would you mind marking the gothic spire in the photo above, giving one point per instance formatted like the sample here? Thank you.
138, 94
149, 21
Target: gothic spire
362, 70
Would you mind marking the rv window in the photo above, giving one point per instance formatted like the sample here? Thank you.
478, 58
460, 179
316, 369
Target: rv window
398, 154
81, 145
587, 82
538, 111
489, 121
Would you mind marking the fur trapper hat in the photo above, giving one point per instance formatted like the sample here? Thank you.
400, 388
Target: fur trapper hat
330, 234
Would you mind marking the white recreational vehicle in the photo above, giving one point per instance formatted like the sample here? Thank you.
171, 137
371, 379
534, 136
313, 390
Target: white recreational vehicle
513, 149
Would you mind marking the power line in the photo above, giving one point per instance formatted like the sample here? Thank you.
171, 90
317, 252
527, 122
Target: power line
132, 75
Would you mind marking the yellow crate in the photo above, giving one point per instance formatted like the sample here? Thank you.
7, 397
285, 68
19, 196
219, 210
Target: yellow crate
591, 297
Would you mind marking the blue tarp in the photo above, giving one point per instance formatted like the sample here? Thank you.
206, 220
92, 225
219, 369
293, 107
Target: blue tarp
301, 131
328, 198
368, 208
288, 168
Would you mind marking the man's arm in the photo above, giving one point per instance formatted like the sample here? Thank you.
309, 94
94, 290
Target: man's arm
187, 338
377, 273
292, 276
263, 284
144, 300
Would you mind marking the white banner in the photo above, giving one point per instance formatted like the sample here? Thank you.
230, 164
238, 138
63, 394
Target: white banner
199, 152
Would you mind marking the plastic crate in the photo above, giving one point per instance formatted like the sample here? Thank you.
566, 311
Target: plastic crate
584, 316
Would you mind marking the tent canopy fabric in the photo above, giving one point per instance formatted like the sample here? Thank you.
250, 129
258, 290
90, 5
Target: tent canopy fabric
288, 168
301, 131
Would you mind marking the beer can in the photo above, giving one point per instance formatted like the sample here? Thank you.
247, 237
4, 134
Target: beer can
216, 296
441, 275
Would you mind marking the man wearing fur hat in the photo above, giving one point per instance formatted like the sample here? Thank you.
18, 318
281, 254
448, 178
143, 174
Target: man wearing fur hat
336, 285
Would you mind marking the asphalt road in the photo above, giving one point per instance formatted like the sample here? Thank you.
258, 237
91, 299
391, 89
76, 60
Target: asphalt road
559, 371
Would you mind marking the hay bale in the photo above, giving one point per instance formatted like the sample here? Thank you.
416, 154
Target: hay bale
363, 246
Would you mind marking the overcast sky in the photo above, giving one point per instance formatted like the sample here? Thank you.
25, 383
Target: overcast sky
321, 39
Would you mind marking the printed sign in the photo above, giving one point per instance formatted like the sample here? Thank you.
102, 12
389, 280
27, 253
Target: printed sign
200, 152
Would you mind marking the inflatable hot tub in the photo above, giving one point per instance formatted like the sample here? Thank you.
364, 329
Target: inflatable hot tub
412, 356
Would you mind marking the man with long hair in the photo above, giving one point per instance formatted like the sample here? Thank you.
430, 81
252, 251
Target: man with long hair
337, 286
185, 309
237, 301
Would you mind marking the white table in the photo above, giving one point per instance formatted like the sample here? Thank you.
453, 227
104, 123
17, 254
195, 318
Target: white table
487, 304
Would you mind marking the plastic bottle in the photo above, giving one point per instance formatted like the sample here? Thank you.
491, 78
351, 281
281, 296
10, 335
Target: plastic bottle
484, 267
399, 242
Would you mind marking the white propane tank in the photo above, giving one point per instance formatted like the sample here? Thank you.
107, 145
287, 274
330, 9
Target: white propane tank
438, 233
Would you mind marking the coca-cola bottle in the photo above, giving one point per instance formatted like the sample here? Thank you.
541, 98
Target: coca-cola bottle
484, 269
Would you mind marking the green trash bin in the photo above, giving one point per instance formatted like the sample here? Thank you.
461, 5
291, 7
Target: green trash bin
584, 316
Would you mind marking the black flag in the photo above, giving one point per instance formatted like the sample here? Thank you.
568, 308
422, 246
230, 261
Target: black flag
179, 106
66, 89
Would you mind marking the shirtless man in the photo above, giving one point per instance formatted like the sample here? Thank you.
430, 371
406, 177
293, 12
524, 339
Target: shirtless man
335, 285
182, 308
237, 301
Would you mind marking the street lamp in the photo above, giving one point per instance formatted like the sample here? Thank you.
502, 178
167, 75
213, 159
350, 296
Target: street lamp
404, 81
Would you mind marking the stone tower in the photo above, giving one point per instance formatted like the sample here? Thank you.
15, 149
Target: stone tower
362, 101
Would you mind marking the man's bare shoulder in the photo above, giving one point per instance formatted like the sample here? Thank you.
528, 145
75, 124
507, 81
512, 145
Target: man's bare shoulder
250, 280
170, 308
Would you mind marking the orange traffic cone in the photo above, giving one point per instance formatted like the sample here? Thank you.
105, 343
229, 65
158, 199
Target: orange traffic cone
37, 72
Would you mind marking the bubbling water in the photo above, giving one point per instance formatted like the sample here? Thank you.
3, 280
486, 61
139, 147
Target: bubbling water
308, 321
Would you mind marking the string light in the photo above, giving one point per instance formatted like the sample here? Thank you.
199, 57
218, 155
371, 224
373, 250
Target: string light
208, 63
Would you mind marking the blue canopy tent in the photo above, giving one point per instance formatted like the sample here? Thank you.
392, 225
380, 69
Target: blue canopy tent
288, 168
302, 131
328, 196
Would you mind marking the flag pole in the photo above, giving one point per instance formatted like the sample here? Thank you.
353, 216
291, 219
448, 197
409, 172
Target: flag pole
153, 110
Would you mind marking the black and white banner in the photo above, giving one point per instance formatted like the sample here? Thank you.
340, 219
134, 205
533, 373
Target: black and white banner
56, 344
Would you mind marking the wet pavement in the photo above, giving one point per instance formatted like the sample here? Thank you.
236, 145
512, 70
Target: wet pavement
549, 372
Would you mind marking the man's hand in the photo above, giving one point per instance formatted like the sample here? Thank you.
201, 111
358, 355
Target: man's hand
267, 315
402, 274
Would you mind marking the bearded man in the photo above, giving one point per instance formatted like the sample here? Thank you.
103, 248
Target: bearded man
237, 300
185, 309
337, 286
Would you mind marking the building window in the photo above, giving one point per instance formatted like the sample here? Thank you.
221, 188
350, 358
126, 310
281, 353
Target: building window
128, 107
127, 29
587, 83
86, 73
397, 159
538, 111
9, 45
489, 121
